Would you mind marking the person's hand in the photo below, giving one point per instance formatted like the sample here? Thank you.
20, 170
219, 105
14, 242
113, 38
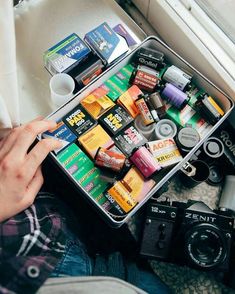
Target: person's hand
20, 172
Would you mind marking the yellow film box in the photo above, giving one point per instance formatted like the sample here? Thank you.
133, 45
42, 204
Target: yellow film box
127, 100
95, 138
97, 103
122, 196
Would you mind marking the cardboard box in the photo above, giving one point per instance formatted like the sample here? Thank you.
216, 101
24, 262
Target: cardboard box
108, 45
95, 138
97, 103
79, 120
128, 139
61, 133
66, 54
115, 120
127, 100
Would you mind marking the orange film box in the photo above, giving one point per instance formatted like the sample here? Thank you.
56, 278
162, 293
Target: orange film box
95, 138
127, 100
122, 196
97, 103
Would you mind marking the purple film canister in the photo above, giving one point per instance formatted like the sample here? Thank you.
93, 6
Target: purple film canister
175, 96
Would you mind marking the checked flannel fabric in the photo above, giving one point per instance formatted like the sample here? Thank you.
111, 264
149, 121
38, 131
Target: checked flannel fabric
31, 244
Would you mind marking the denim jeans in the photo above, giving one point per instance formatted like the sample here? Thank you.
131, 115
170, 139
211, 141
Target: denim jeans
77, 262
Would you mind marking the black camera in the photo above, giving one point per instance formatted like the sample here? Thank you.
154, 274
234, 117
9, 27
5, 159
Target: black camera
188, 234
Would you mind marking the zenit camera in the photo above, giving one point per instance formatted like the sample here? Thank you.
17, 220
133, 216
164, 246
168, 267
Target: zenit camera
188, 234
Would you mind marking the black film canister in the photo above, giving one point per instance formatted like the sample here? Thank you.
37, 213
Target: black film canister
216, 175
201, 175
213, 148
187, 138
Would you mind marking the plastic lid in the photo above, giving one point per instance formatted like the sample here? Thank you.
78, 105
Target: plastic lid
165, 128
213, 147
216, 175
142, 128
188, 137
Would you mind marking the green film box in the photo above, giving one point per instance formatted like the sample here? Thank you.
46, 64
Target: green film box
82, 169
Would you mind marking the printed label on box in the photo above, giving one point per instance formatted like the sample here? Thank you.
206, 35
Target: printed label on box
65, 54
122, 196
106, 43
138, 187
165, 151
115, 120
97, 103
61, 133
128, 139
127, 100
95, 138
79, 120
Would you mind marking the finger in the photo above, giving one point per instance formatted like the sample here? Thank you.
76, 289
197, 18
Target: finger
38, 118
39, 152
8, 142
28, 134
33, 188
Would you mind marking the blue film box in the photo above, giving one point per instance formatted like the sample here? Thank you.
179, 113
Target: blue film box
107, 44
61, 133
65, 55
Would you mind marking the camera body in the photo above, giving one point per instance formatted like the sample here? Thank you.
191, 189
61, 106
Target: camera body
188, 234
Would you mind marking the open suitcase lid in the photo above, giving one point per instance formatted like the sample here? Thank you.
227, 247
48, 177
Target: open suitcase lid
41, 24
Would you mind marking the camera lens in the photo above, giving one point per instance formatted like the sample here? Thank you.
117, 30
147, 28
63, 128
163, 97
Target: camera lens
205, 246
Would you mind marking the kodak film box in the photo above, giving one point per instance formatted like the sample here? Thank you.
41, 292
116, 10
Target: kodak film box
165, 151
61, 133
128, 139
79, 120
95, 138
122, 196
127, 100
97, 103
115, 120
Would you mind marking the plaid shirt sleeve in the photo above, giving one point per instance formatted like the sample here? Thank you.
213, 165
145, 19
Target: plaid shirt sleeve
31, 244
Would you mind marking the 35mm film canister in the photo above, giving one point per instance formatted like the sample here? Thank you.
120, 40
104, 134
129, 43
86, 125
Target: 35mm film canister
177, 77
144, 110
158, 104
165, 128
187, 138
109, 159
146, 131
202, 173
216, 175
145, 162
227, 199
174, 96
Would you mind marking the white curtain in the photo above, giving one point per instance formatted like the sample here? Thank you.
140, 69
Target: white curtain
9, 99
